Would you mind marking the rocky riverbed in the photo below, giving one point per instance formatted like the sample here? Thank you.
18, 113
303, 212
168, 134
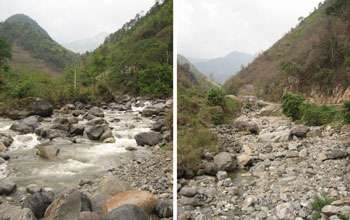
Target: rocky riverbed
86, 162
269, 168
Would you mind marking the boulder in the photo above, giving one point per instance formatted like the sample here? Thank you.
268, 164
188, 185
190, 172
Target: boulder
26, 125
24, 214
96, 111
37, 203
164, 208
225, 161
211, 168
300, 131
96, 121
40, 107
7, 188
157, 126
112, 185
143, 199
148, 138
150, 111
245, 126
330, 210
77, 129
337, 154
3, 148
278, 136
85, 203
47, 151
6, 139
88, 216
221, 175
188, 191
285, 211
7, 211
97, 202
107, 134
33, 188
244, 160
66, 206
127, 212
60, 120
94, 133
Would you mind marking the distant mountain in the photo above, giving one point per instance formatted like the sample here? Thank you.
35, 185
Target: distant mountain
189, 76
224, 67
196, 60
89, 44
33, 48
312, 59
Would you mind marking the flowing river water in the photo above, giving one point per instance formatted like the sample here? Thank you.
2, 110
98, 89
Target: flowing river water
85, 159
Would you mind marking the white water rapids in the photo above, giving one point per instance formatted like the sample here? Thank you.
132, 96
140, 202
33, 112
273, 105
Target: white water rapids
83, 160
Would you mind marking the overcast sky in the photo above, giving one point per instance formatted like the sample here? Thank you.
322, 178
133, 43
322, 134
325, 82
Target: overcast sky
70, 20
214, 28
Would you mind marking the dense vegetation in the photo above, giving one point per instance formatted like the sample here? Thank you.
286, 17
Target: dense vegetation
319, 202
313, 59
22, 31
199, 109
142, 47
137, 60
293, 106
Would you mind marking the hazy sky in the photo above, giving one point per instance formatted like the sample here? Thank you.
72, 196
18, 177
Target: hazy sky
213, 28
70, 20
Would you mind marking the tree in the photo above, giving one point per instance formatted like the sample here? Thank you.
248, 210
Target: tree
216, 96
291, 105
5, 51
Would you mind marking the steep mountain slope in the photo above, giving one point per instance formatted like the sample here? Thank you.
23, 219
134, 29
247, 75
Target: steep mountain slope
89, 44
224, 67
137, 59
33, 47
189, 76
313, 60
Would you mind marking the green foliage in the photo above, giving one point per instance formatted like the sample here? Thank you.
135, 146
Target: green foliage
156, 80
142, 45
338, 8
347, 62
212, 115
5, 51
215, 96
320, 202
313, 115
39, 44
345, 112
291, 105
192, 143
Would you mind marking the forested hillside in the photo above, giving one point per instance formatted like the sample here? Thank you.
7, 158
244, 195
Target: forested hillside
33, 47
313, 60
137, 59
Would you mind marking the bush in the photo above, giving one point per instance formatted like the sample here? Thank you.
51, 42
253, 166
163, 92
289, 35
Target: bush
345, 112
193, 143
215, 96
291, 105
232, 108
313, 115
211, 115
320, 202
156, 80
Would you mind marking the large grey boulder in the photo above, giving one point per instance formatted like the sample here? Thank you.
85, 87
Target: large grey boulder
300, 131
40, 107
66, 206
47, 151
97, 202
336, 210
24, 214
96, 111
94, 133
278, 136
85, 203
245, 126
37, 203
148, 138
89, 216
7, 211
225, 161
150, 111
77, 129
127, 212
7, 188
285, 211
26, 125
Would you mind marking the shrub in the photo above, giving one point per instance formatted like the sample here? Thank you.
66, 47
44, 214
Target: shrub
215, 96
314, 115
291, 105
320, 202
212, 115
231, 108
345, 112
156, 80
192, 143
